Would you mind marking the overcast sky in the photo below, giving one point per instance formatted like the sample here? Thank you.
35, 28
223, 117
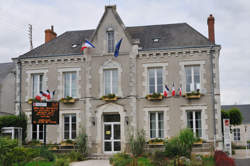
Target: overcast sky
232, 28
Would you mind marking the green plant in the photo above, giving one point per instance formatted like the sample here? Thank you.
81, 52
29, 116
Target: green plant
186, 139
159, 159
235, 116
61, 162
45, 153
6, 151
143, 161
68, 141
109, 96
82, 142
121, 159
137, 143
76, 156
193, 93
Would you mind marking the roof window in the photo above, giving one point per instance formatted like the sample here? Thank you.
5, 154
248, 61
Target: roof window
74, 45
156, 40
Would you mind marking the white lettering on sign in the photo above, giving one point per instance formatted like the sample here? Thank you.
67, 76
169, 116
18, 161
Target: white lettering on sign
40, 104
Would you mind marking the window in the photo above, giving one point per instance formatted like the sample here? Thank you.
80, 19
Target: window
37, 132
156, 125
155, 80
194, 122
70, 126
110, 41
37, 80
236, 134
110, 81
192, 78
70, 84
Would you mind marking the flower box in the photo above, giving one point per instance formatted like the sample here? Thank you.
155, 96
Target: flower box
109, 97
156, 141
154, 97
193, 95
68, 101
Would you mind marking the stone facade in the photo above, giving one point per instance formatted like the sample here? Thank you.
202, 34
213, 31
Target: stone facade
132, 66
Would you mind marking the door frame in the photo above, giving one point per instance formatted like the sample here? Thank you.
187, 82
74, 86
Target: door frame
112, 137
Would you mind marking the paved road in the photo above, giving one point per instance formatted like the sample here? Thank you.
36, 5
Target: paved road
91, 163
242, 162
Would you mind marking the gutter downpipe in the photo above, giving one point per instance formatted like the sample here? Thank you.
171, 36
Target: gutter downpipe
212, 93
20, 86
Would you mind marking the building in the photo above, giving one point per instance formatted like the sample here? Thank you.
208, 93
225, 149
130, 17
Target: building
240, 133
150, 57
7, 88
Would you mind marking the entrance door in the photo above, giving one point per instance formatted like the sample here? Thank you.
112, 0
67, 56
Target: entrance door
112, 135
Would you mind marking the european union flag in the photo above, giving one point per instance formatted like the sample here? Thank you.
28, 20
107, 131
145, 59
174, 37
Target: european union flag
117, 48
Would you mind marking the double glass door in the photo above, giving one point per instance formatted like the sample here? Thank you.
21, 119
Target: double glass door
112, 137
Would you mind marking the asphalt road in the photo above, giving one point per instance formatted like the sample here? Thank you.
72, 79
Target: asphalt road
242, 162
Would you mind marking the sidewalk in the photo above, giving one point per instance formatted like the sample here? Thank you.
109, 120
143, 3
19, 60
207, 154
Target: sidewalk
241, 154
91, 163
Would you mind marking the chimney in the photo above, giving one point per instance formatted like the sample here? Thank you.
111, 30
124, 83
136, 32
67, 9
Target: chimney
49, 34
210, 23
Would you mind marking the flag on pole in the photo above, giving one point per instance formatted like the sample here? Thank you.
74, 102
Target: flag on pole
43, 94
173, 90
39, 96
87, 44
48, 95
166, 91
179, 91
117, 48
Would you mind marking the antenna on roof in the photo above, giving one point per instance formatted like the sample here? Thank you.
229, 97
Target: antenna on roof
30, 36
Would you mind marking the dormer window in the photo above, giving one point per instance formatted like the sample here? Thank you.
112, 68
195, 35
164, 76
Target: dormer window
110, 36
156, 40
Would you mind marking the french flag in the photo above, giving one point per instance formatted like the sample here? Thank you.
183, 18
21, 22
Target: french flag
87, 44
179, 91
39, 96
173, 90
48, 95
43, 94
166, 91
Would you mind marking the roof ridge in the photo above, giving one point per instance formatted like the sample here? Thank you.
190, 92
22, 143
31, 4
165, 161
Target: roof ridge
155, 25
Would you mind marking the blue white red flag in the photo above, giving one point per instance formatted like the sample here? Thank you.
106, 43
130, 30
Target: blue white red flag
166, 91
173, 90
87, 44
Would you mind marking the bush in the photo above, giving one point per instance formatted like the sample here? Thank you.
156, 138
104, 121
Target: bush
142, 161
137, 143
6, 151
45, 153
221, 159
159, 159
61, 162
121, 159
76, 156
82, 143
15, 121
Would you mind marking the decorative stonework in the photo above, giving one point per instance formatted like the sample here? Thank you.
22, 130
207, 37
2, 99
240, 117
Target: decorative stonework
60, 87
147, 110
110, 64
145, 82
182, 74
204, 118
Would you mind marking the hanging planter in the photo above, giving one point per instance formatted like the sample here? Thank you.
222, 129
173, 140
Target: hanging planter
193, 95
154, 97
109, 97
68, 100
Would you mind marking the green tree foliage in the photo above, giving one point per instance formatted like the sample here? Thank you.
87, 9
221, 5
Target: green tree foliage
235, 116
224, 114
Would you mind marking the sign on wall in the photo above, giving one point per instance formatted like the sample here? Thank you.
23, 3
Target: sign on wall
45, 113
227, 136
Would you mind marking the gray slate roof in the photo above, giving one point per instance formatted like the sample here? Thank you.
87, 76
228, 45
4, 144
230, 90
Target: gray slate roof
5, 69
170, 35
244, 109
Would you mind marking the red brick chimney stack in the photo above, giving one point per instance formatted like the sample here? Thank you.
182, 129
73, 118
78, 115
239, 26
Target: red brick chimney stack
50, 34
210, 23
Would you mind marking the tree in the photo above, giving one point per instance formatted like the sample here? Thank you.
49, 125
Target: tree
235, 116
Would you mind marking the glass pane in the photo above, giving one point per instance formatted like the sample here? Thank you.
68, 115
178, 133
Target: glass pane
151, 76
73, 118
40, 128
66, 127
73, 134
66, 135
112, 118
152, 125
73, 126
190, 120
73, 84
34, 135
35, 85
66, 84
66, 118
41, 83
117, 146
34, 131
40, 135
107, 132
196, 77
107, 82
110, 41
115, 81
117, 132
107, 146
159, 81
188, 78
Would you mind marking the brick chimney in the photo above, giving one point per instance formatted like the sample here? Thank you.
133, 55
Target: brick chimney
210, 23
49, 34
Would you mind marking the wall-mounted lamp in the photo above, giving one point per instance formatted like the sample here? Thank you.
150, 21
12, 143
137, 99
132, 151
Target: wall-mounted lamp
93, 120
126, 119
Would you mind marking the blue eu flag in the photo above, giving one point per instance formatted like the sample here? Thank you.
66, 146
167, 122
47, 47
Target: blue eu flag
117, 48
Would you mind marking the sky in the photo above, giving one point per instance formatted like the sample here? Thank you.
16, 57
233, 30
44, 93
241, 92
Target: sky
232, 28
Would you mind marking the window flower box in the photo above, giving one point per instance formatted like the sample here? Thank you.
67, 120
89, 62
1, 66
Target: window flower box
109, 97
68, 100
31, 100
199, 141
154, 97
193, 95
156, 141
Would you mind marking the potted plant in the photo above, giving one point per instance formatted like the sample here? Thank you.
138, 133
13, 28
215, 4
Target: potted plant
68, 100
193, 95
109, 97
154, 96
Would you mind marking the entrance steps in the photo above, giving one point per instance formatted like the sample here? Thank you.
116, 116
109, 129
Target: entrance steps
99, 156
204, 148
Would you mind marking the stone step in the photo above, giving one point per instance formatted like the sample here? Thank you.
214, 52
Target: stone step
99, 157
201, 149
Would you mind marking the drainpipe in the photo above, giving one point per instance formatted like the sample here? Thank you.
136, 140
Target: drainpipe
212, 92
20, 85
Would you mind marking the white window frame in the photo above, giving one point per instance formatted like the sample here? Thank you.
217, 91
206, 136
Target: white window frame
111, 81
236, 134
38, 83
192, 85
156, 124
156, 79
37, 132
145, 83
70, 84
70, 126
110, 40
194, 121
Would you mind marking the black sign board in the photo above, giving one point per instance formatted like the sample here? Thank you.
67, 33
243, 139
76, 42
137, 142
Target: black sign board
45, 113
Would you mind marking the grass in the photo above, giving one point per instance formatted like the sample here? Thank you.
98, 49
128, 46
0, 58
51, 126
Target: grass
40, 163
208, 161
142, 161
